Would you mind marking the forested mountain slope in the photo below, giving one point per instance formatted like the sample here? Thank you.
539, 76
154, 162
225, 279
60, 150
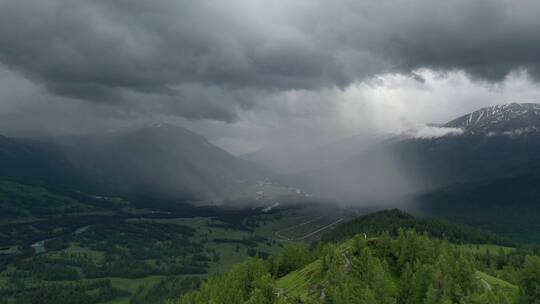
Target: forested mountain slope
38, 163
409, 268
157, 161
392, 221
508, 206
160, 160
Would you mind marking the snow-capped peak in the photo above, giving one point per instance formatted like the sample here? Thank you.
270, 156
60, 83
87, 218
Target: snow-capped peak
500, 119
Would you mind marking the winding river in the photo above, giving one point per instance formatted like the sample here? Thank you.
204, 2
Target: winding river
39, 246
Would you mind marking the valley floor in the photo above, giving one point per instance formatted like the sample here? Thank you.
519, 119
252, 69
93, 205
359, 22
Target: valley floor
129, 259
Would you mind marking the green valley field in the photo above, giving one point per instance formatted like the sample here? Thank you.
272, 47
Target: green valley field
125, 253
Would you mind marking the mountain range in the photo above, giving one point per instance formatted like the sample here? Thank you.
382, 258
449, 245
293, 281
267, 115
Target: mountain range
495, 142
161, 160
489, 170
486, 175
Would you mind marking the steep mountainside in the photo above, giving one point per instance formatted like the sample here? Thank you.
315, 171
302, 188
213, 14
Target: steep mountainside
513, 118
160, 160
164, 161
404, 166
508, 206
36, 163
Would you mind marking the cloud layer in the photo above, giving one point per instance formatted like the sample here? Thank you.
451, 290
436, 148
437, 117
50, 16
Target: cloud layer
211, 59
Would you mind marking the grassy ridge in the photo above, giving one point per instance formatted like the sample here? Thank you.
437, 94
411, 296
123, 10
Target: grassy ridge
409, 268
393, 265
392, 220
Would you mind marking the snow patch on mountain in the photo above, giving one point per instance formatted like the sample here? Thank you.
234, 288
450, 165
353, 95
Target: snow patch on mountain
515, 118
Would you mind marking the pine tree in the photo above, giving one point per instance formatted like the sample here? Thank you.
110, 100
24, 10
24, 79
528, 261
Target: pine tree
530, 281
465, 274
265, 284
257, 297
423, 280
407, 283
380, 283
433, 295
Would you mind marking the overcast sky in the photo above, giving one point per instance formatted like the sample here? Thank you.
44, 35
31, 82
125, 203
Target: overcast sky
252, 73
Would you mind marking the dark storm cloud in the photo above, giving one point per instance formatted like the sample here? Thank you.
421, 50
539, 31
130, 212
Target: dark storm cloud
486, 39
207, 59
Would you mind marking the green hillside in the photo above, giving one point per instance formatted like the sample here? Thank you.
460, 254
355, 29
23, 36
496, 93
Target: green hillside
406, 268
507, 206
19, 201
392, 220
